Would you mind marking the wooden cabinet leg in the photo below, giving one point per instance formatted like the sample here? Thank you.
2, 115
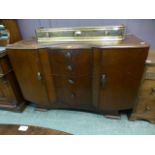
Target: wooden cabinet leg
132, 117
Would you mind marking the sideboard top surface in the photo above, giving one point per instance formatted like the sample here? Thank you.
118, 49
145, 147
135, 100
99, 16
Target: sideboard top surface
130, 41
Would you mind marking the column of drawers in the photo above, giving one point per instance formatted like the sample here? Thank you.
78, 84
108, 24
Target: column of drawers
72, 72
145, 107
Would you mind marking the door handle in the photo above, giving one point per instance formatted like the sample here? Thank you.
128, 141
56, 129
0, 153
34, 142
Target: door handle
103, 79
39, 76
71, 81
68, 55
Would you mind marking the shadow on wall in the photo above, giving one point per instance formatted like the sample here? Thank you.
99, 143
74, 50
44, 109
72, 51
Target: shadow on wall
142, 28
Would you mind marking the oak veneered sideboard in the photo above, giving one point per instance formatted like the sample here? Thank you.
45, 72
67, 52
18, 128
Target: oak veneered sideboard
98, 77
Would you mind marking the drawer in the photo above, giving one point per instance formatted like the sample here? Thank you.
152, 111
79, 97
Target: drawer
146, 106
71, 63
73, 90
148, 84
150, 72
5, 65
73, 55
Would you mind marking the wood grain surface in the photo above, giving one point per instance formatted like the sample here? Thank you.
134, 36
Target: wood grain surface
7, 129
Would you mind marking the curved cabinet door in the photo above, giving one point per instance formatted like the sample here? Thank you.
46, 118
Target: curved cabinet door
26, 65
120, 74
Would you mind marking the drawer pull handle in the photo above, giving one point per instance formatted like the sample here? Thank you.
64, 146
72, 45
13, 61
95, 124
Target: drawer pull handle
72, 95
71, 81
68, 55
147, 108
39, 77
152, 90
2, 75
69, 67
103, 80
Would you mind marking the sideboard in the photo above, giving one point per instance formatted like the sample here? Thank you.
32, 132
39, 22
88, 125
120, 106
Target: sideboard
97, 77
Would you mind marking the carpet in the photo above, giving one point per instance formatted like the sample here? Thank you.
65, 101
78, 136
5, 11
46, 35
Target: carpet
77, 122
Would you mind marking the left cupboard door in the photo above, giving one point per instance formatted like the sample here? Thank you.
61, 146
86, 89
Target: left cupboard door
27, 68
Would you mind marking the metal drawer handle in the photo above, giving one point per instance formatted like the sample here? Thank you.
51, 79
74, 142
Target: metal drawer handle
68, 55
103, 80
73, 95
2, 75
147, 108
152, 90
71, 81
69, 67
39, 76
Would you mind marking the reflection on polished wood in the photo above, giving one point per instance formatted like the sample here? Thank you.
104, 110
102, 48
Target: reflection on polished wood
32, 130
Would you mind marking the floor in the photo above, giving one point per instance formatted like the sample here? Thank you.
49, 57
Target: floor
77, 122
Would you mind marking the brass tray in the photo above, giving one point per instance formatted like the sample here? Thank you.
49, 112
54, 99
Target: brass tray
88, 34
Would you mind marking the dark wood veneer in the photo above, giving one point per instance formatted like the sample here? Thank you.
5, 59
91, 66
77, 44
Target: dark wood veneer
26, 65
89, 77
10, 95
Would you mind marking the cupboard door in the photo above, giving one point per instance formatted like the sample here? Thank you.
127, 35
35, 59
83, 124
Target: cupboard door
121, 74
26, 65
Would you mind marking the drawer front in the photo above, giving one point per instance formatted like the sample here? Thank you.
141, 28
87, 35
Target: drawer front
146, 106
148, 84
146, 100
71, 62
73, 91
150, 72
147, 88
